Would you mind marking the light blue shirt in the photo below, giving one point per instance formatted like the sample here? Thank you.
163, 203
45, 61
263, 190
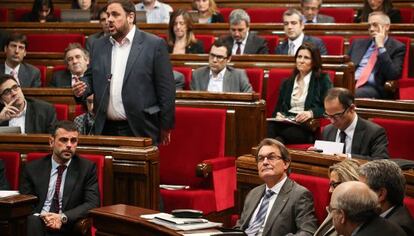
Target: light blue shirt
364, 62
159, 14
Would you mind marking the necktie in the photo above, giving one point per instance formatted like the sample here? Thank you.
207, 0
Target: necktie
261, 214
238, 50
342, 137
14, 74
55, 207
363, 78
291, 49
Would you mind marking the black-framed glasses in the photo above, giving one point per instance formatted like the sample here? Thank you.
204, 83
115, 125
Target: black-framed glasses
269, 157
335, 116
334, 184
8, 91
218, 57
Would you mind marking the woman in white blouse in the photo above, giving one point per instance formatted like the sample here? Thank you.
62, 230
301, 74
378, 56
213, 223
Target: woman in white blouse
301, 98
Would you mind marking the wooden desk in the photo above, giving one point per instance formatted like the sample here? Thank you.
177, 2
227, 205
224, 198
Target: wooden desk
13, 213
125, 220
390, 109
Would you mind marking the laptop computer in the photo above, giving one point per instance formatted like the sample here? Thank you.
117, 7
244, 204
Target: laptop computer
10, 130
75, 15
141, 16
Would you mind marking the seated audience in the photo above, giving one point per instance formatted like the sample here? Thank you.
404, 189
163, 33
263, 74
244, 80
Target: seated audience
293, 26
42, 11
310, 11
207, 11
377, 59
300, 98
25, 74
87, 5
103, 17
156, 11
65, 184
77, 61
181, 39
378, 6
31, 115
338, 173
386, 179
84, 123
217, 76
362, 138
241, 39
4, 185
280, 206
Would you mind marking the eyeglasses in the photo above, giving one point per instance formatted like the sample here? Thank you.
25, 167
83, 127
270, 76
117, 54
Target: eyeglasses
218, 57
269, 157
8, 91
334, 184
335, 116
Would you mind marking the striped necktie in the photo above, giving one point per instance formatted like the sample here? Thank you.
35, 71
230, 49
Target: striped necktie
55, 207
254, 227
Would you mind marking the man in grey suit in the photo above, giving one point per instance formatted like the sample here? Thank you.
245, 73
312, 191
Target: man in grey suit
103, 20
355, 213
243, 41
15, 49
293, 26
77, 60
310, 11
387, 180
280, 206
362, 139
131, 77
218, 77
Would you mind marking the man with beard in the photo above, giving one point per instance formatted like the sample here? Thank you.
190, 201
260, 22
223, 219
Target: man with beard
130, 75
65, 184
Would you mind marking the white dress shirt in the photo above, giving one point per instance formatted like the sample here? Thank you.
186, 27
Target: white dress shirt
215, 84
20, 120
242, 45
349, 131
297, 101
298, 42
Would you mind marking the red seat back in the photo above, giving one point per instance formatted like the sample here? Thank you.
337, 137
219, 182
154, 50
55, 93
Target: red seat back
406, 89
407, 15
266, 15
341, 15
225, 12
255, 76
272, 42
62, 111
207, 40
42, 70
52, 42
334, 44
409, 203
4, 14
11, 162
187, 72
79, 110
276, 77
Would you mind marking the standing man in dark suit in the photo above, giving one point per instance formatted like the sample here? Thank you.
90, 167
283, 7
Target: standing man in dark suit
280, 206
31, 115
386, 179
25, 74
377, 59
77, 61
131, 77
310, 11
362, 139
294, 26
4, 185
103, 20
355, 213
243, 41
65, 184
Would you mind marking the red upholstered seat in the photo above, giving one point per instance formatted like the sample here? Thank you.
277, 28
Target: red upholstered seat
198, 137
225, 11
407, 15
62, 111
11, 162
320, 190
79, 110
406, 89
207, 40
256, 79
409, 203
187, 72
272, 42
341, 15
52, 42
399, 133
58, 68
266, 15
334, 44
4, 14
43, 70
276, 77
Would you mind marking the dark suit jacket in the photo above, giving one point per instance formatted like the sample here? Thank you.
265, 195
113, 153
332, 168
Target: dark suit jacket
194, 48
369, 142
40, 117
61, 79
402, 217
91, 39
394, 14
80, 192
148, 92
217, 18
4, 185
318, 86
284, 47
379, 227
292, 213
254, 44
235, 80
389, 64
29, 76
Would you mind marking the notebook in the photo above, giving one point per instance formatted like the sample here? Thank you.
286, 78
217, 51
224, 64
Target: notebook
10, 130
75, 15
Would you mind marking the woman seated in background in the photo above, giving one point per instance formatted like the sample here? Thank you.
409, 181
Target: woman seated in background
42, 11
338, 173
181, 39
378, 5
207, 11
87, 5
301, 98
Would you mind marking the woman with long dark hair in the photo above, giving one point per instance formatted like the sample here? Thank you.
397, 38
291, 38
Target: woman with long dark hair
378, 5
42, 11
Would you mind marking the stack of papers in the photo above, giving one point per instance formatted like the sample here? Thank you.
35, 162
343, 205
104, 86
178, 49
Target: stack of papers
173, 187
7, 193
184, 224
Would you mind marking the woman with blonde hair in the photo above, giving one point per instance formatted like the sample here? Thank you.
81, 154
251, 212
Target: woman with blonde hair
208, 12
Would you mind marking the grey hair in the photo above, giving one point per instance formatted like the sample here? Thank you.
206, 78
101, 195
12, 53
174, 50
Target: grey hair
308, 1
239, 15
384, 17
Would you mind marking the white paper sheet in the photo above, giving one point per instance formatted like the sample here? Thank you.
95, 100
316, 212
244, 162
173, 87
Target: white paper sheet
329, 147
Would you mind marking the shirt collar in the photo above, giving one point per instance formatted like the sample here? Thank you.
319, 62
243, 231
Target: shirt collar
128, 38
55, 164
8, 69
278, 186
385, 213
244, 40
351, 128
298, 40
220, 75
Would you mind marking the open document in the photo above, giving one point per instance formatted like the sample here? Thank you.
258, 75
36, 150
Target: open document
329, 147
8, 193
180, 224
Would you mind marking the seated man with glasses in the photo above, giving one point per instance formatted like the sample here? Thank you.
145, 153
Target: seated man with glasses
31, 115
280, 206
218, 77
362, 139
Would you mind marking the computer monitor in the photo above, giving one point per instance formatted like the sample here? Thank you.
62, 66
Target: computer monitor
75, 15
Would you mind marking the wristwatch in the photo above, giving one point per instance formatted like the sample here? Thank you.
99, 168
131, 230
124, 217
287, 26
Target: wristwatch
63, 218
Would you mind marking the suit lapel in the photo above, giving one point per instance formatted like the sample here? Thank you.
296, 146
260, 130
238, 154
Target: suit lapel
70, 180
29, 119
362, 50
358, 137
23, 76
227, 80
249, 44
44, 178
107, 57
136, 49
252, 207
205, 78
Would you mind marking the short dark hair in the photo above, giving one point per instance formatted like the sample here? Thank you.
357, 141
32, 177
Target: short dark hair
127, 5
6, 77
38, 6
345, 97
221, 43
64, 124
16, 37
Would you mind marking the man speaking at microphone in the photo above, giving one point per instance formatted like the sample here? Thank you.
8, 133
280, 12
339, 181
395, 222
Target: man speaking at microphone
131, 77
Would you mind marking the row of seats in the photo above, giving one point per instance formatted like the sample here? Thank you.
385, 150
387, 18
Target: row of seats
257, 15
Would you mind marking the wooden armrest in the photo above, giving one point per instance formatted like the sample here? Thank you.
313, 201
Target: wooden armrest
203, 170
82, 227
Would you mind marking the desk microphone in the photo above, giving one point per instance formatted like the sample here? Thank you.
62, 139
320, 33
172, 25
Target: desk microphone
99, 107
